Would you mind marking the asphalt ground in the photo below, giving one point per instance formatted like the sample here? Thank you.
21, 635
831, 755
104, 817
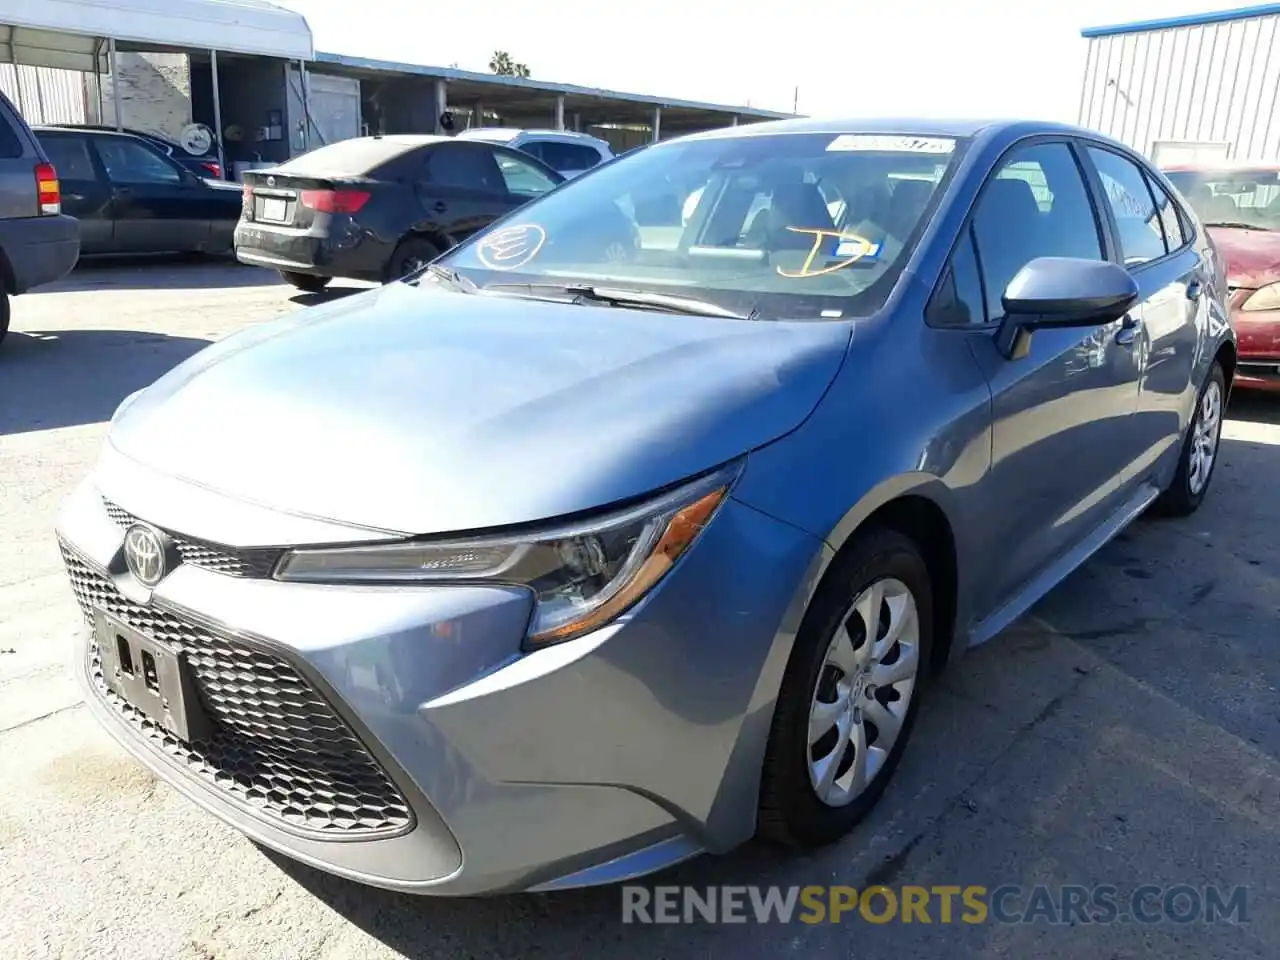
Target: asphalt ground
1125, 735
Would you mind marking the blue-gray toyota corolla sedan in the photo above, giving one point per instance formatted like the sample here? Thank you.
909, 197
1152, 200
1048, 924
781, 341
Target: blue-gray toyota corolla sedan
638, 524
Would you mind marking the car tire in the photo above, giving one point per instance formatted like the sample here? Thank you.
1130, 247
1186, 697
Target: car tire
306, 282
4, 314
1199, 455
410, 254
823, 673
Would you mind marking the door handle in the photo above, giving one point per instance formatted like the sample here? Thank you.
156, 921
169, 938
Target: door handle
1128, 334
1194, 290
440, 206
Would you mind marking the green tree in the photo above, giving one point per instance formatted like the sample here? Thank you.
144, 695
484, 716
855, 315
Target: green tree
502, 64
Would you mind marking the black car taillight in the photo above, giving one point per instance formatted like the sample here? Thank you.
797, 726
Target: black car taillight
335, 201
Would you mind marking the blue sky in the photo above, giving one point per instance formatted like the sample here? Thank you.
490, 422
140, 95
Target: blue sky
963, 58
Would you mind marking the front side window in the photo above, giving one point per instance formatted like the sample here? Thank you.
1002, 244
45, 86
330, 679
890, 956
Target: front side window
1232, 198
131, 161
791, 225
1127, 193
1034, 205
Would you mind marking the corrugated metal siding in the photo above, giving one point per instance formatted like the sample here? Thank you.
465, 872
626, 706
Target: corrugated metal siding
1208, 84
43, 94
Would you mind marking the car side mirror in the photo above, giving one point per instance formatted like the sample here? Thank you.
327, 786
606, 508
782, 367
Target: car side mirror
1062, 292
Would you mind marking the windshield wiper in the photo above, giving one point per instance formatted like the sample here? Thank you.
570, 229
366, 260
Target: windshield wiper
619, 297
452, 277
1237, 224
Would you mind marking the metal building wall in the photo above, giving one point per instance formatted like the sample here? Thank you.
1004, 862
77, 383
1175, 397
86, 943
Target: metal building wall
45, 94
1216, 85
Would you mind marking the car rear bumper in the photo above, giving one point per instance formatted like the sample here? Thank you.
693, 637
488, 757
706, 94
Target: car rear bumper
40, 249
315, 251
479, 769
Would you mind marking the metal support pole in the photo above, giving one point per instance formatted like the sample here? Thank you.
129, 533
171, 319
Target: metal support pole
17, 79
304, 80
114, 67
657, 124
577, 122
478, 116
734, 121
442, 104
560, 112
217, 111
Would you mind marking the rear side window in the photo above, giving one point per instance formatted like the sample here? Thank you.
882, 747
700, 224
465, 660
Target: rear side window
1167, 213
1127, 193
11, 142
465, 166
70, 157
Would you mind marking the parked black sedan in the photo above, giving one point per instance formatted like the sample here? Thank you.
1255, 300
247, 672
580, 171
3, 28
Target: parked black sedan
130, 198
204, 165
376, 208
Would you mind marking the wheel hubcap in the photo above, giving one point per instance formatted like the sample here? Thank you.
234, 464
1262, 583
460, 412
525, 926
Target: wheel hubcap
1204, 437
863, 691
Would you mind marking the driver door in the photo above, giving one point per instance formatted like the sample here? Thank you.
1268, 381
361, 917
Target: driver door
154, 205
1062, 415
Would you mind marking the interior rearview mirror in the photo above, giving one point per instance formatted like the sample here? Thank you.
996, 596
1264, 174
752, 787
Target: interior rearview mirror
1062, 292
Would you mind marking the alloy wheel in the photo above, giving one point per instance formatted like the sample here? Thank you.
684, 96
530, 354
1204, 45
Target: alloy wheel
1204, 437
864, 691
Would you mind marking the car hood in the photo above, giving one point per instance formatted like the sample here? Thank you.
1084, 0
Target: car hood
1252, 256
414, 410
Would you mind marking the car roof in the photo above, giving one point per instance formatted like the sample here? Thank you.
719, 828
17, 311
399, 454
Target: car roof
510, 133
1223, 166
901, 126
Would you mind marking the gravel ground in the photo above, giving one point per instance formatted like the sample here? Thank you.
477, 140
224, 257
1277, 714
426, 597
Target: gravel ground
1126, 733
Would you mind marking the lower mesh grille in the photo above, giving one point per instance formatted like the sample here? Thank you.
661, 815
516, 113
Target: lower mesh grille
275, 744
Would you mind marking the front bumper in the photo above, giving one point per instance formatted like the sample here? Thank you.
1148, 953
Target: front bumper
1258, 347
477, 769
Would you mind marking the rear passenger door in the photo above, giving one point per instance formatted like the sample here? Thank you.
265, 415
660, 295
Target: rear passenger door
1061, 415
1156, 249
460, 188
86, 195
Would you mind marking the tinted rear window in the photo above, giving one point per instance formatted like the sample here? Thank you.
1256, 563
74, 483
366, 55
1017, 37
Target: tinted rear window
69, 156
347, 158
11, 144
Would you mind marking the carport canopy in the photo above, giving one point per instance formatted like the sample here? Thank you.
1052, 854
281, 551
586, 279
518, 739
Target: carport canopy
72, 34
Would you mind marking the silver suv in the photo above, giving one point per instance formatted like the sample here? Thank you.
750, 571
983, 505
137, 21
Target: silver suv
38, 242
564, 151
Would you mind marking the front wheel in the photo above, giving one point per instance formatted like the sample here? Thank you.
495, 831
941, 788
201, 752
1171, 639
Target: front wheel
1199, 450
850, 693
307, 282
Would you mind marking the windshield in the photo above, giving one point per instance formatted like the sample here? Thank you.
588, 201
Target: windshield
779, 225
1247, 198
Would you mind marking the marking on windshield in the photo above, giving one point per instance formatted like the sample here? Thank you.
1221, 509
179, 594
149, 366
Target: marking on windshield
869, 142
510, 248
850, 246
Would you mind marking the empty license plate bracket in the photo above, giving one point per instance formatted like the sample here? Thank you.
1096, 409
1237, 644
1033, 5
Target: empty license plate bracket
151, 677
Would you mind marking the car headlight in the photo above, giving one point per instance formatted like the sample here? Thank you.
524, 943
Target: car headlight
1264, 298
583, 575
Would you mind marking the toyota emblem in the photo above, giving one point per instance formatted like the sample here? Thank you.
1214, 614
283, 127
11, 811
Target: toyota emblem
144, 554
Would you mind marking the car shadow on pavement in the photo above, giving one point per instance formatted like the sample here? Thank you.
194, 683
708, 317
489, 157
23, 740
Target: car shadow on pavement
68, 378
159, 273
1254, 407
327, 295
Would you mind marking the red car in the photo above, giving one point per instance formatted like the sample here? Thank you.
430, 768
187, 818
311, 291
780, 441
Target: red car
1240, 207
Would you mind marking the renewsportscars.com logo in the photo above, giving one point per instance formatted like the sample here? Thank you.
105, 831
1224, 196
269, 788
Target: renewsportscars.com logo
944, 904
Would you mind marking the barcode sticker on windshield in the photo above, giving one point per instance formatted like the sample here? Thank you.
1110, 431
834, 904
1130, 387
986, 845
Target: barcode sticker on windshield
858, 248
869, 142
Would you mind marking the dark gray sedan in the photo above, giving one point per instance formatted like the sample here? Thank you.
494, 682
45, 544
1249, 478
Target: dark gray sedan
639, 523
